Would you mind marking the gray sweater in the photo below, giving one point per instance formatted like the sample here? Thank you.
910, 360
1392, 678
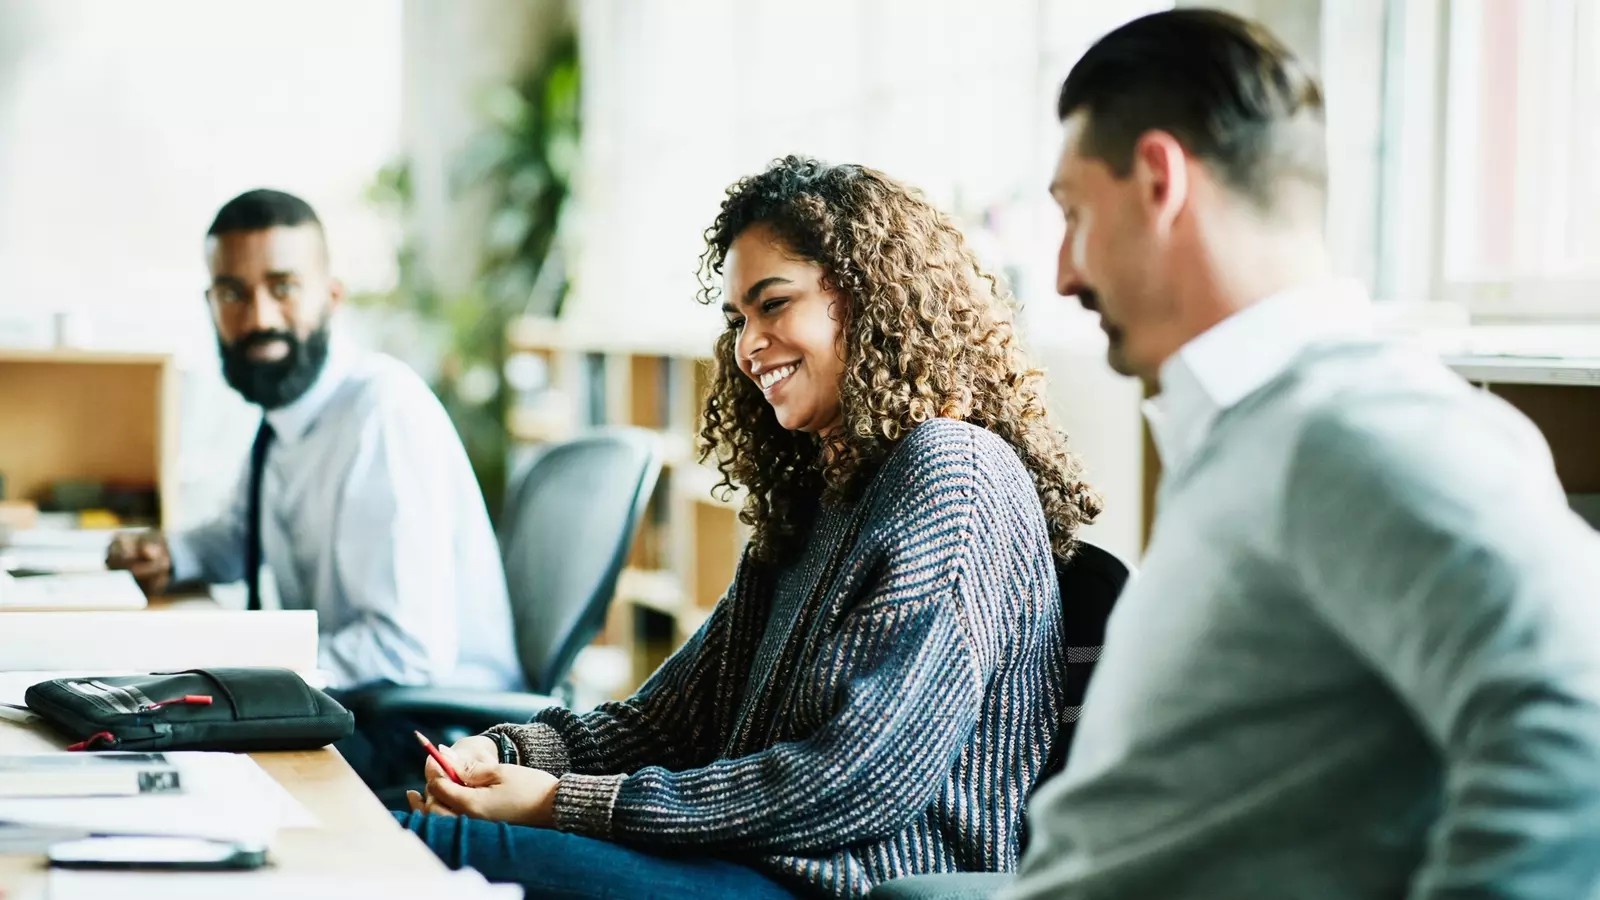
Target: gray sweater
880, 707
1362, 661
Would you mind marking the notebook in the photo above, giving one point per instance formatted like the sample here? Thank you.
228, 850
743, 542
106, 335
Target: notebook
87, 775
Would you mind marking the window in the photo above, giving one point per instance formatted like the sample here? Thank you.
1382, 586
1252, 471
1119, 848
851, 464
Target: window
680, 99
1492, 129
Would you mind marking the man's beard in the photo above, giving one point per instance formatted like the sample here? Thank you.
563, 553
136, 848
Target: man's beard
280, 382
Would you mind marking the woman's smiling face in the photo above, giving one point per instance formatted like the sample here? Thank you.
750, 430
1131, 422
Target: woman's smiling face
788, 327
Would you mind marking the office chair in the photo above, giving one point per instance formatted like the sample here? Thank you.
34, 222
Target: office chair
565, 536
1090, 583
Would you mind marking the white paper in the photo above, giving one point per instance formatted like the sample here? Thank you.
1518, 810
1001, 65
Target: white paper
272, 885
81, 590
86, 539
55, 549
19, 716
226, 796
155, 640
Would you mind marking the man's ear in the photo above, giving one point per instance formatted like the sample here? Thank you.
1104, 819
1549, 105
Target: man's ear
336, 294
1161, 169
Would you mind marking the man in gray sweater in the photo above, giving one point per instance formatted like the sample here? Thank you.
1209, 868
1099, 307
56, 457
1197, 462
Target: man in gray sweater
1363, 657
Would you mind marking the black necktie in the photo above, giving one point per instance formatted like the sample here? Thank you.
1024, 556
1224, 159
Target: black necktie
252, 539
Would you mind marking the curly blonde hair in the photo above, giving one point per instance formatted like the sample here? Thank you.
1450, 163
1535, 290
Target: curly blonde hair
925, 333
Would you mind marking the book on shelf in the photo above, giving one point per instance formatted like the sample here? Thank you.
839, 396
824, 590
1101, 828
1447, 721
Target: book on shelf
87, 775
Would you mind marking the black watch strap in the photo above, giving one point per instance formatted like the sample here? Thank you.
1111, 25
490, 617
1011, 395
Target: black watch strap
508, 750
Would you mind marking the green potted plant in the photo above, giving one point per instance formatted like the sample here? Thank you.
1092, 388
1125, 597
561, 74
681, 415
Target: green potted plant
524, 160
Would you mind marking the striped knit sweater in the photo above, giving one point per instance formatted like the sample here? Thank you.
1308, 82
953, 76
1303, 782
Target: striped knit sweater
880, 707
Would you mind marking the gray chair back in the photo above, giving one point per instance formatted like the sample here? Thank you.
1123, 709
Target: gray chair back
569, 523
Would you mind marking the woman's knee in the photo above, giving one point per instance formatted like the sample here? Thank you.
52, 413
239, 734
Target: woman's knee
445, 835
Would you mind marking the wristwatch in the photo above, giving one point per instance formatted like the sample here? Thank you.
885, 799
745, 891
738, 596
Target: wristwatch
508, 750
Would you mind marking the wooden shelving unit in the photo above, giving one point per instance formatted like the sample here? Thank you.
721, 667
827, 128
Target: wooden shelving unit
684, 555
76, 415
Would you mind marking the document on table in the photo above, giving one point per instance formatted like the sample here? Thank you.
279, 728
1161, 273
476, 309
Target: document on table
464, 884
77, 590
226, 796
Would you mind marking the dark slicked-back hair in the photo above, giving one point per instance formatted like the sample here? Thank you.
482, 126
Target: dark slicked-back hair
262, 208
1228, 90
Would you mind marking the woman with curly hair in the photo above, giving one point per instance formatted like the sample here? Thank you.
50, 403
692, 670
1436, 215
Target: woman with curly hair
883, 683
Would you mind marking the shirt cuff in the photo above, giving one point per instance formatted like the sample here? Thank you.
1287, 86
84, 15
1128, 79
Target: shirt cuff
185, 565
538, 746
584, 803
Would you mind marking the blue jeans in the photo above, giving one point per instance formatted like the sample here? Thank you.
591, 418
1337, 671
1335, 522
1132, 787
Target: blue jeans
564, 866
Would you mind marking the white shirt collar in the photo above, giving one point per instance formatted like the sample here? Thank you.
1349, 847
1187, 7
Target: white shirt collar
1241, 354
290, 422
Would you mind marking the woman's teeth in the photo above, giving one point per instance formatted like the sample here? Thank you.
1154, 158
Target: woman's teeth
769, 379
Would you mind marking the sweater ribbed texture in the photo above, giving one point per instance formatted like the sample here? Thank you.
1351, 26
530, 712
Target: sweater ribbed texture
879, 707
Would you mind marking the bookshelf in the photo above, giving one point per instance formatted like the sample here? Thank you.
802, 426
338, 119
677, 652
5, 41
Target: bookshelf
688, 545
95, 418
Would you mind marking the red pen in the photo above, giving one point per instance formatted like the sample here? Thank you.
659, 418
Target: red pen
439, 758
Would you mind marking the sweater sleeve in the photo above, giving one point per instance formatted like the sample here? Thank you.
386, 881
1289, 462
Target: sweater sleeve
895, 691
908, 695
668, 722
1436, 540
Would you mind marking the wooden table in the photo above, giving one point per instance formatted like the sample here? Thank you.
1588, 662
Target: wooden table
356, 835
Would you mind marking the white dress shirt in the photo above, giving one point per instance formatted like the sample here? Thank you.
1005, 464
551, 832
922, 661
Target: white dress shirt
370, 515
1238, 355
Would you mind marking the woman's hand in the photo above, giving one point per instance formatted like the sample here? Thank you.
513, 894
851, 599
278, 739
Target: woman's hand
516, 795
477, 749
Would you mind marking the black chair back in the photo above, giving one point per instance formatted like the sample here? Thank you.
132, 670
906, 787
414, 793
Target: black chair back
570, 522
1090, 583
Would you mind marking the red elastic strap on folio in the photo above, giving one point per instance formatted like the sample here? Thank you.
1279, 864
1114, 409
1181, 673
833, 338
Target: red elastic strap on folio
109, 738
88, 742
187, 699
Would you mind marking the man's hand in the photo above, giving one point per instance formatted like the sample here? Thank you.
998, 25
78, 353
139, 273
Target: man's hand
145, 555
516, 795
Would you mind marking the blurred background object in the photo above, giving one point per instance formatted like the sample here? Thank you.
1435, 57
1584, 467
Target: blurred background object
519, 169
